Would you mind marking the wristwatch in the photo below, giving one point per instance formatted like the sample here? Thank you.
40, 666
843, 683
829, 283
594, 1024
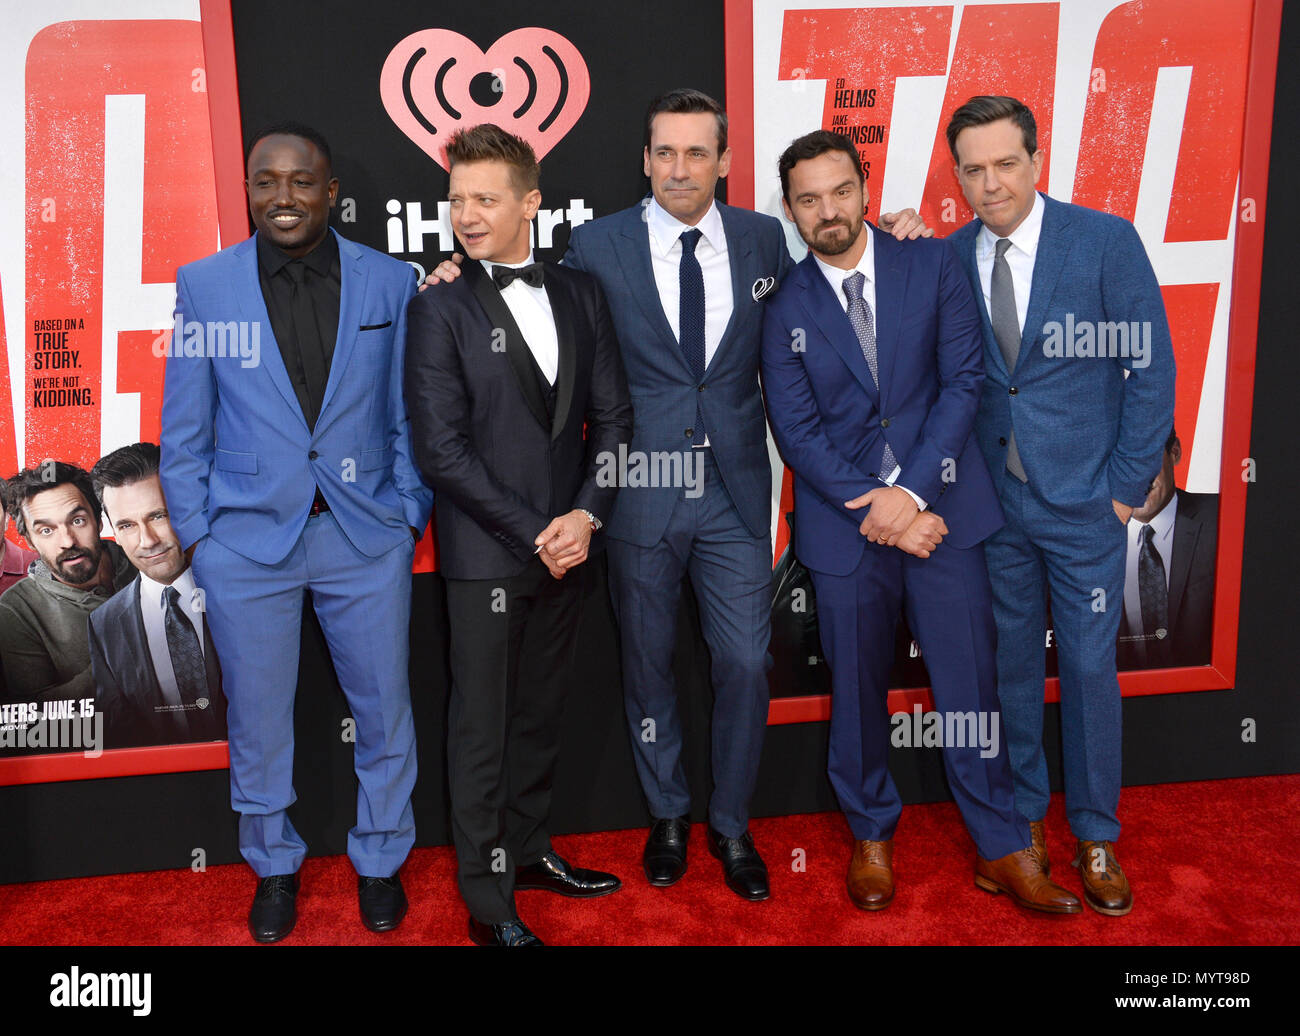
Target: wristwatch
596, 523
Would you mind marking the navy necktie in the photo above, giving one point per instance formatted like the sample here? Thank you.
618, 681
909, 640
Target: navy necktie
690, 324
183, 646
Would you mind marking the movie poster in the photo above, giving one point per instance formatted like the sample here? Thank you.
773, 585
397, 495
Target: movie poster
1141, 111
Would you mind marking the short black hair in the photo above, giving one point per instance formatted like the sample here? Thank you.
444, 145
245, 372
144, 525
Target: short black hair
980, 111
289, 128
124, 467
684, 101
50, 474
810, 145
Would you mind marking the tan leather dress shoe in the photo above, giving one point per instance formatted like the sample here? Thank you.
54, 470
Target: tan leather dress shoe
1105, 888
871, 875
1038, 844
1020, 876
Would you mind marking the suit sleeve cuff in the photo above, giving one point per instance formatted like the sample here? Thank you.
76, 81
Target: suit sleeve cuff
893, 475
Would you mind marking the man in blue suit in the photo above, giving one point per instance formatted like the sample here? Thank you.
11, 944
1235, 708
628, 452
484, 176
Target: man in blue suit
872, 369
1077, 401
286, 461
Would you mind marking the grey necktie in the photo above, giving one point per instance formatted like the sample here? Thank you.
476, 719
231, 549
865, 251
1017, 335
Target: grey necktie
864, 325
1006, 327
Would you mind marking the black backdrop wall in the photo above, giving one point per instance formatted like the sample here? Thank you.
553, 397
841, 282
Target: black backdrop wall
144, 823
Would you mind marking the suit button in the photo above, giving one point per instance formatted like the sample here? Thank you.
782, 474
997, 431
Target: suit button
1013, 390
690, 433
701, 388
313, 455
1001, 441
884, 422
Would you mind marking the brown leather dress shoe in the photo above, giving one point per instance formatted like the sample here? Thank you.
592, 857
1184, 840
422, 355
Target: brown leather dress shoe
871, 875
1038, 844
1105, 888
1020, 876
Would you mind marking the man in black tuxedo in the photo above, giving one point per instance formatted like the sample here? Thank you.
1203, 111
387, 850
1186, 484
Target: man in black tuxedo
503, 369
1169, 574
157, 679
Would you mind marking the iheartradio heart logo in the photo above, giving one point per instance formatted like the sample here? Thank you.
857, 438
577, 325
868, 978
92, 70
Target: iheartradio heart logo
531, 82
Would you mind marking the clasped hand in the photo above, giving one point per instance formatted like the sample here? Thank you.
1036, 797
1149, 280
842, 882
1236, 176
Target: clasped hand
894, 520
563, 544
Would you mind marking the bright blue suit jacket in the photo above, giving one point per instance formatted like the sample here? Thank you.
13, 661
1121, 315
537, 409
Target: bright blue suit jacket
238, 461
1086, 432
830, 421
616, 251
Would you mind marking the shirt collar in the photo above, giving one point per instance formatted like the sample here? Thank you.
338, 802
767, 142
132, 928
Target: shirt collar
151, 590
665, 228
866, 265
487, 264
319, 260
1162, 525
13, 560
1024, 237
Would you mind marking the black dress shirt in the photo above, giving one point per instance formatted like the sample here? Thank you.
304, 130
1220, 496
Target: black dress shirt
304, 317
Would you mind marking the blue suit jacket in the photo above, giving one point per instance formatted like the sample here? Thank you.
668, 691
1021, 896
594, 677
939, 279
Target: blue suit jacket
1086, 433
830, 421
238, 461
616, 251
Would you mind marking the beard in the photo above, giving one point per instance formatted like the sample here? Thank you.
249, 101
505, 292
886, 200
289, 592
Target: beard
822, 244
70, 565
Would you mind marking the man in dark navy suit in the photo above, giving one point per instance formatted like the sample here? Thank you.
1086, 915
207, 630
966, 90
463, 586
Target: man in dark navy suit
872, 368
518, 400
157, 678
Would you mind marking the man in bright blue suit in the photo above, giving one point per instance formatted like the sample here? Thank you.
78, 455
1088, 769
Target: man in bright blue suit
872, 369
1077, 402
286, 461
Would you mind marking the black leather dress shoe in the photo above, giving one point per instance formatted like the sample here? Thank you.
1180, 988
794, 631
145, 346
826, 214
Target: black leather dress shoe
512, 933
383, 903
745, 870
554, 875
664, 858
275, 908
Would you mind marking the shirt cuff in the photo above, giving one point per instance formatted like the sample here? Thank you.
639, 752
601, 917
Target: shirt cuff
921, 504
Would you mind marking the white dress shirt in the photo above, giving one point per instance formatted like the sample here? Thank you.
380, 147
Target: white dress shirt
153, 609
1020, 258
836, 276
1163, 542
531, 309
711, 251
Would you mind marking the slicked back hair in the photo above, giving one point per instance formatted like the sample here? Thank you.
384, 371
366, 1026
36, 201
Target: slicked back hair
125, 467
980, 111
684, 101
490, 143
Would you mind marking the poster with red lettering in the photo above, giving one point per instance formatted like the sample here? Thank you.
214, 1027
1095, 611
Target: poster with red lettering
106, 186
1156, 111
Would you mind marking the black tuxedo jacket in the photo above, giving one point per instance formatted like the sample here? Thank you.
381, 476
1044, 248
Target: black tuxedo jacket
482, 433
1191, 586
127, 692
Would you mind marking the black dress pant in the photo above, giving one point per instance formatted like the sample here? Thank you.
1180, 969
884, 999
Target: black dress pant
512, 644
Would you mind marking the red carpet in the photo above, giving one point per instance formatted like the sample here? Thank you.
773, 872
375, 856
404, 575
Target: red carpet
1210, 863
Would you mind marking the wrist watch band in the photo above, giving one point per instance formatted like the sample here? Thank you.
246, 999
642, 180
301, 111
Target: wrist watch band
596, 523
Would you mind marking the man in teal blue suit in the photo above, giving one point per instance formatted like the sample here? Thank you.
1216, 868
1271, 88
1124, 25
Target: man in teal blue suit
1077, 401
288, 472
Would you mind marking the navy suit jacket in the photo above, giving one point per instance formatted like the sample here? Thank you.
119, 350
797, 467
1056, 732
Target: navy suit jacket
127, 692
238, 460
1086, 432
830, 421
616, 251
482, 434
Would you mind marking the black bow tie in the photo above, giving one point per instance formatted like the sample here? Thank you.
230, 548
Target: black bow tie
504, 276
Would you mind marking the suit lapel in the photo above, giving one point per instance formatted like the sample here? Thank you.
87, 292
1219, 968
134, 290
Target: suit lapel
820, 303
1049, 261
1187, 530
353, 277
562, 311
499, 315
891, 287
740, 247
253, 309
138, 642
639, 274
